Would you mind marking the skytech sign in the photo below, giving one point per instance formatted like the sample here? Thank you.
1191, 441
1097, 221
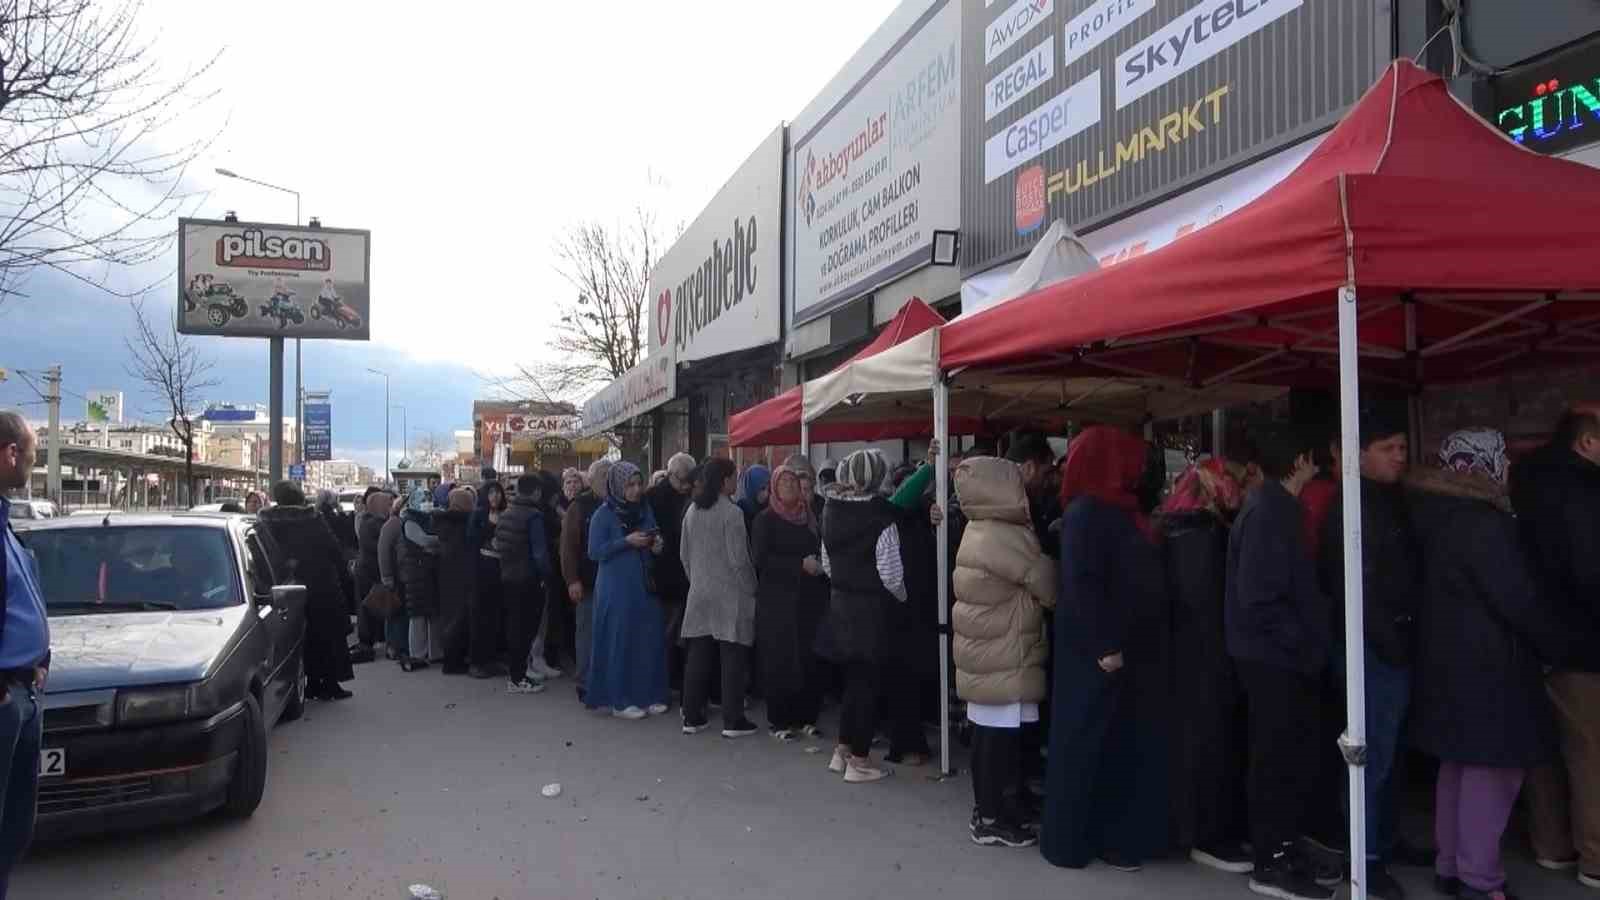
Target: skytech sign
1100, 108
1553, 105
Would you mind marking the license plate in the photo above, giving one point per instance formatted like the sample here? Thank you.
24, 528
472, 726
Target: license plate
52, 762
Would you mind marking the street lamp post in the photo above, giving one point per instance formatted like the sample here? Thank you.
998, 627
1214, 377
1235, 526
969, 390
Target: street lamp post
387, 475
276, 345
405, 433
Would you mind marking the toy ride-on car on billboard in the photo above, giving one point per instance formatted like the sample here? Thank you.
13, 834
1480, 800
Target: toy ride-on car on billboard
218, 299
282, 308
331, 306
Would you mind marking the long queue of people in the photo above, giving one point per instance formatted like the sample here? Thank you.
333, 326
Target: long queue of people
1178, 664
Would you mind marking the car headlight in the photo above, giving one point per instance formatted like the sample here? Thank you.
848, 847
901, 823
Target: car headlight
147, 706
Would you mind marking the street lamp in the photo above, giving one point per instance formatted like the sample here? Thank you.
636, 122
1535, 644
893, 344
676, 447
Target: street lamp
405, 433
299, 397
386, 473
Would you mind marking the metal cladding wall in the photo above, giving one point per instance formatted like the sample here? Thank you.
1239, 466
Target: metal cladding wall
1088, 110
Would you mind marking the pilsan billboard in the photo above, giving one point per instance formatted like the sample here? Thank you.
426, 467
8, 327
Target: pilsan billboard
1090, 110
251, 279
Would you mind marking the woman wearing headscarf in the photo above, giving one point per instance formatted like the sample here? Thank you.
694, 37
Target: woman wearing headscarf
1106, 772
790, 600
1484, 638
627, 665
1209, 747
753, 492
1003, 583
369, 629
861, 557
458, 578
486, 622
719, 620
419, 571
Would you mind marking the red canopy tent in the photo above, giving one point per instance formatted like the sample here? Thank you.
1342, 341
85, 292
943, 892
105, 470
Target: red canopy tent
1466, 250
776, 422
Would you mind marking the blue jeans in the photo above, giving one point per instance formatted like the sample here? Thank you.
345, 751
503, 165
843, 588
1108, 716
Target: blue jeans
21, 733
1388, 699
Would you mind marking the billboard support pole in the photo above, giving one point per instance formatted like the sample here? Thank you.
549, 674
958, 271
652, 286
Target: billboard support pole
275, 410
299, 410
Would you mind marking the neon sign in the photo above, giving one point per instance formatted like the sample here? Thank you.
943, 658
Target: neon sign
1552, 107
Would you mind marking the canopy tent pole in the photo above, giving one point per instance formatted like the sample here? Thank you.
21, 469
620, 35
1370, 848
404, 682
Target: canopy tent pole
1353, 743
805, 439
941, 480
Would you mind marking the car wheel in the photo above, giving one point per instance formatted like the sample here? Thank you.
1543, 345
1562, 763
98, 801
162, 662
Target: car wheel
250, 775
316, 312
296, 706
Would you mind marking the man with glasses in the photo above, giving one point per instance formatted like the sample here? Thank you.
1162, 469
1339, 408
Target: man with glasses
24, 657
668, 500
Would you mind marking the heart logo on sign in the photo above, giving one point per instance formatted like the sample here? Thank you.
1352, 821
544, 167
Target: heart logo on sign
663, 317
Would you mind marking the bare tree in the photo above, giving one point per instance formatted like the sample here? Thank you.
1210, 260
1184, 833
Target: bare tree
431, 447
175, 376
600, 332
86, 185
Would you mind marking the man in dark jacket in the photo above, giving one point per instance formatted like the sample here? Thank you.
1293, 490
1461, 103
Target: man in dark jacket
1277, 623
579, 570
1556, 493
1391, 586
315, 560
668, 500
521, 541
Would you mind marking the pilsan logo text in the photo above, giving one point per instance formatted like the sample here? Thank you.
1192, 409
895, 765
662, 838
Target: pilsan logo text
255, 250
1013, 25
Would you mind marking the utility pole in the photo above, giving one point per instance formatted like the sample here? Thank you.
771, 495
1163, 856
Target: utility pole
52, 380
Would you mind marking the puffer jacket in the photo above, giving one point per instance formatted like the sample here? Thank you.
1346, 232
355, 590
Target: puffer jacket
1003, 583
419, 568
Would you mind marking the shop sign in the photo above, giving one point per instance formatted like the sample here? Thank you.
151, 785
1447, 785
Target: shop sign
1148, 99
717, 289
1013, 25
643, 388
553, 446
1551, 106
874, 175
318, 431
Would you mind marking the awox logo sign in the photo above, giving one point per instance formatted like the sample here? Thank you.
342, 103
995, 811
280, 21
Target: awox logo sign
663, 318
1189, 40
1013, 25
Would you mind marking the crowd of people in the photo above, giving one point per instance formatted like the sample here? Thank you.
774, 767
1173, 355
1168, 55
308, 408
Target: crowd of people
1169, 669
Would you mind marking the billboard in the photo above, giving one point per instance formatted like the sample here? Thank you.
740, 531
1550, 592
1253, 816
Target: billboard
643, 388
249, 279
318, 430
716, 290
103, 407
877, 172
1090, 110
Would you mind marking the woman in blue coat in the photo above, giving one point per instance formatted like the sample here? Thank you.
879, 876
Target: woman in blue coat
628, 669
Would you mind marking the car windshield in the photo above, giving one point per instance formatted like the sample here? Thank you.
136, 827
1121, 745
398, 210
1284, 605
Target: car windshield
106, 568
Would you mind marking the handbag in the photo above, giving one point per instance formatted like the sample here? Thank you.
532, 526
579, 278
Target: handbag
381, 600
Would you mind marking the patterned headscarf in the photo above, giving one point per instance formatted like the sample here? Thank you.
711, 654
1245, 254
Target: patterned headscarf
798, 511
1206, 485
863, 472
629, 514
1481, 450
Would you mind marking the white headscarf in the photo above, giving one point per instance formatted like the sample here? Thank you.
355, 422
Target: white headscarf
1481, 450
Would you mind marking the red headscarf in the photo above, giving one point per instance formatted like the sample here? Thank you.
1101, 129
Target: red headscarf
1206, 485
1105, 463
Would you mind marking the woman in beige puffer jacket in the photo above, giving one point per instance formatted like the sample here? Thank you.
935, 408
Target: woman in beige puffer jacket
1003, 583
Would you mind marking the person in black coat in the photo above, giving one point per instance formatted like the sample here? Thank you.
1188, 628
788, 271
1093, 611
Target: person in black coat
1484, 635
668, 501
1209, 813
314, 559
458, 577
791, 595
1105, 795
369, 626
1278, 626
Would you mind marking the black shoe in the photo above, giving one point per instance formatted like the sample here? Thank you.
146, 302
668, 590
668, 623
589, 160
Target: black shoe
1411, 856
481, 672
1318, 868
1224, 857
334, 692
1000, 833
1119, 862
454, 668
1447, 885
1285, 882
741, 728
694, 726
361, 653
1381, 885
412, 664
315, 692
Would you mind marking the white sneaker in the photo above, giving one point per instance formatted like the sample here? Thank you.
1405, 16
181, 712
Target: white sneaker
1557, 865
860, 770
811, 731
657, 709
524, 686
840, 760
782, 735
632, 712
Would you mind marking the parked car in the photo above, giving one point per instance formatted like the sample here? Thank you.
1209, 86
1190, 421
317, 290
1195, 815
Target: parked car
175, 647
26, 510
348, 498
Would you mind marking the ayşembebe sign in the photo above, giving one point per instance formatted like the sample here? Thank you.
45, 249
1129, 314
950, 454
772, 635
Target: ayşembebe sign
877, 173
643, 388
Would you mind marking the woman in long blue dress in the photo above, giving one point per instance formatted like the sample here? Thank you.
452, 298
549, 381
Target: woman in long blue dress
628, 669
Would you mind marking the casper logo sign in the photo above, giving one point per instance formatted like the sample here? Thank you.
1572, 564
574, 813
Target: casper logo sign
255, 250
1104, 18
1189, 40
1019, 78
1064, 115
1013, 25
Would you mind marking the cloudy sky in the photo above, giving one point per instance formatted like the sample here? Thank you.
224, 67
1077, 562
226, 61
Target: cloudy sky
466, 141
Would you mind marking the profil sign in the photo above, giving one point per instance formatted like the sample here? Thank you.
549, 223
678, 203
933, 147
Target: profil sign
248, 279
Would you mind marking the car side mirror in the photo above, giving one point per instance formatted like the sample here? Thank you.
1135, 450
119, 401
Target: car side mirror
286, 595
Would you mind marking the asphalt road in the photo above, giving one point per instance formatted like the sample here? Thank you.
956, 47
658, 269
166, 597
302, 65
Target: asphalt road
429, 779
